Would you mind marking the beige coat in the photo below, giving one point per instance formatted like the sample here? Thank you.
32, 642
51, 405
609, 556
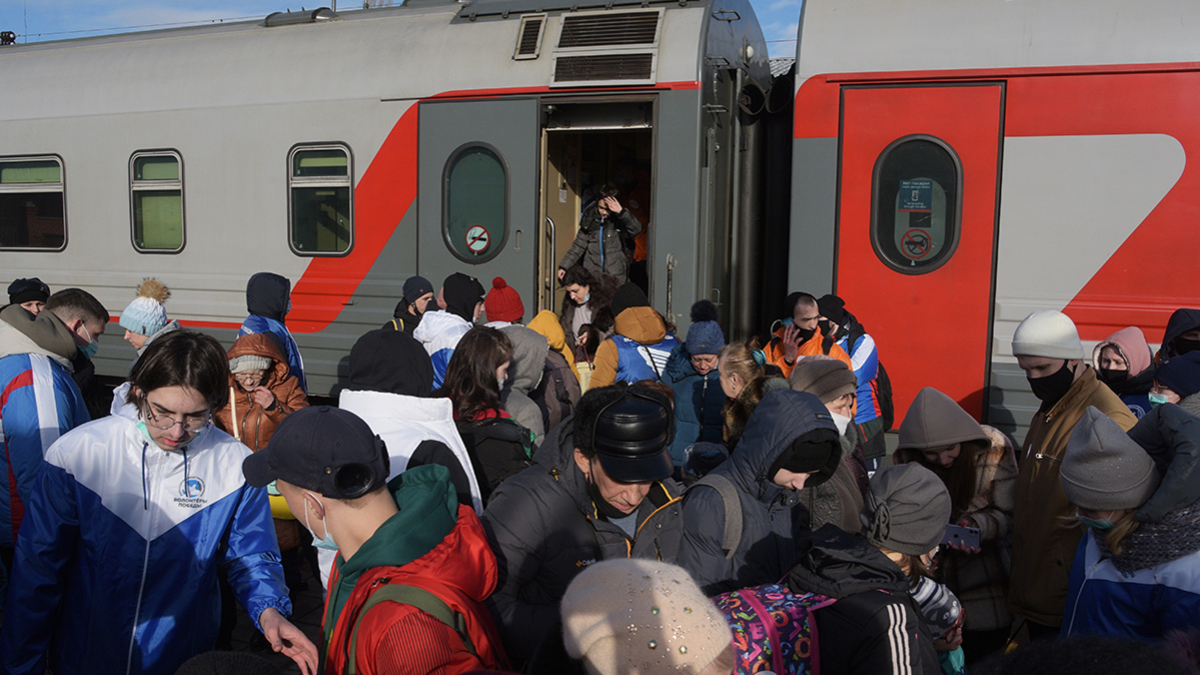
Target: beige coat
1045, 535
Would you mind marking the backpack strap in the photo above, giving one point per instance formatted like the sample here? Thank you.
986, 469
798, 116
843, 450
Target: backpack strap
733, 509
414, 597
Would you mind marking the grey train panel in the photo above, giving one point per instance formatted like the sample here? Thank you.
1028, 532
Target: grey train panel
814, 207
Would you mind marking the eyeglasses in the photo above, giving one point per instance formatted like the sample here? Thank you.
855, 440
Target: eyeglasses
166, 422
248, 376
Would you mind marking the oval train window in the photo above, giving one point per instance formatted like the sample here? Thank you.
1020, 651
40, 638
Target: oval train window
916, 204
475, 209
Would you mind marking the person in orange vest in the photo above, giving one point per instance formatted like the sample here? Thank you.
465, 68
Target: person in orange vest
801, 335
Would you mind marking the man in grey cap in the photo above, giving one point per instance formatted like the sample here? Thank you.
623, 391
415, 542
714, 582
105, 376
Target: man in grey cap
600, 488
1048, 349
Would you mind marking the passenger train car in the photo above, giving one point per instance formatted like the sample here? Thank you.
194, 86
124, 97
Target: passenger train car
958, 165
349, 152
945, 166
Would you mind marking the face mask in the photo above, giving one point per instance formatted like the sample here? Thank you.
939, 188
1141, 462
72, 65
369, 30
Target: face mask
1183, 346
92, 346
327, 543
1051, 388
1157, 399
787, 322
141, 426
1113, 376
500, 383
806, 334
1103, 524
842, 423
826, 326
586, 298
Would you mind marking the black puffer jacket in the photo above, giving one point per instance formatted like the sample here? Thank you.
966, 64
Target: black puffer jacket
875, 627
767, 549
544, 530
1171, 436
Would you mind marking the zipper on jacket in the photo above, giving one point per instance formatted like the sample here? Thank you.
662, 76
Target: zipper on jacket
149, 522
1040, 455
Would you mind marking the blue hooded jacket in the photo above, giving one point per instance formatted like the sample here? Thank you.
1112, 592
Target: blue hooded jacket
768, 544
698, 402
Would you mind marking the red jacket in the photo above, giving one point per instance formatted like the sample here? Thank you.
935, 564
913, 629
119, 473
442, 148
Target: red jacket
398, 639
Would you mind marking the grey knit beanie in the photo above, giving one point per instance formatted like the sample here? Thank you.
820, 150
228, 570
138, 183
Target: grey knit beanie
824, 377
1103, 468
907, 509
248, 362
1048, 333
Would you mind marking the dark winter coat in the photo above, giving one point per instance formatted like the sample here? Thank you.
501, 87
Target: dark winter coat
544, 529
698, 402
600, 303
586, 249
1171, 437
875, 627
403, 319
768, 548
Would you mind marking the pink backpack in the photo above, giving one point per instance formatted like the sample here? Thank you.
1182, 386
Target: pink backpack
773, 629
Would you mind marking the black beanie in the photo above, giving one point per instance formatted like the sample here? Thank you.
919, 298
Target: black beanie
629, 295
26, 290
833, 308
462, 293
390, 361
817, 452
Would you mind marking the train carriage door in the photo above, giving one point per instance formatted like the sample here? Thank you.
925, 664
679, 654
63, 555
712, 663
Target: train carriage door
476, 206
917, 231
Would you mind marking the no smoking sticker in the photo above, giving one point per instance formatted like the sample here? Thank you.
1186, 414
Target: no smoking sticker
915, 244
478, 239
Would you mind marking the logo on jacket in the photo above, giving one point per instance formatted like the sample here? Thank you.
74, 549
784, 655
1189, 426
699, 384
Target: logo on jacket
191, 488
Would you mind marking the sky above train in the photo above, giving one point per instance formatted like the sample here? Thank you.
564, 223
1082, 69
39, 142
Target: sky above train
40, 20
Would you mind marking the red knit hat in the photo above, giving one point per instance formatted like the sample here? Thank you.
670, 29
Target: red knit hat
503, 303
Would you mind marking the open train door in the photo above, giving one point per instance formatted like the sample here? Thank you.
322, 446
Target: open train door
477, 211
917, 231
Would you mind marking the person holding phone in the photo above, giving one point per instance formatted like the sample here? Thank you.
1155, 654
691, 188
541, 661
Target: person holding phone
978, 466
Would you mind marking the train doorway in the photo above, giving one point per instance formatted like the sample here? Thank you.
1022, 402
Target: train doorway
585, 146
917, 231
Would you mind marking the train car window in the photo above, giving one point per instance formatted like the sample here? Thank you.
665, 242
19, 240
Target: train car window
916, 204
320, 207
156, 201
32, 212
475, 204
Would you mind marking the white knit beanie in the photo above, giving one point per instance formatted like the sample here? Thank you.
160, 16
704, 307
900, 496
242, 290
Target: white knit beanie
641, 617
1048, 333
146, 315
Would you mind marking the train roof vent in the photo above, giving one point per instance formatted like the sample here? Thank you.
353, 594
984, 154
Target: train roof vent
607, 48
610, 29
529, 37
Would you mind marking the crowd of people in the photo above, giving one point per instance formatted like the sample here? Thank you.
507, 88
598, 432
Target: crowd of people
587, 491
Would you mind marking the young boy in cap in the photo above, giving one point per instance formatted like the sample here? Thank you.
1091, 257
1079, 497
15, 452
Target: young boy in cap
418, 293
413, 566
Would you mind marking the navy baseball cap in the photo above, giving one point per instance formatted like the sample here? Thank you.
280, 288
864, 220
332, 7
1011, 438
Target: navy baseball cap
324, 449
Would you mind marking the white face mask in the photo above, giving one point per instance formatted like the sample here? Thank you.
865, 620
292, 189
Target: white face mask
327, 543
842, 423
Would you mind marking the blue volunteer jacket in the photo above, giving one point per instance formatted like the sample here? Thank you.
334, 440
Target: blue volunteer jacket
39, 402
637, 362
116, 565
1101, 600
865, 360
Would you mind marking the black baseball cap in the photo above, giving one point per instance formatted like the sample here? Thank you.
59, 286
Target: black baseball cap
324, 449
631, 438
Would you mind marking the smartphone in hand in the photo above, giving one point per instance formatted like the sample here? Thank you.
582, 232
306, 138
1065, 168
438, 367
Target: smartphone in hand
961, 537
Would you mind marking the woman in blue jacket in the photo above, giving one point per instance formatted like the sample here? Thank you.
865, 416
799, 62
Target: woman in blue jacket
116, 565
1135, 574
691, 372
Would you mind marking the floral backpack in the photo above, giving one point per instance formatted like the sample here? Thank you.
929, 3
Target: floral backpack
773, 629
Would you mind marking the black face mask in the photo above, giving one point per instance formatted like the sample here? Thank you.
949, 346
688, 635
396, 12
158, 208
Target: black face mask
1051, 388
1109, 376
605, 509
1183, 346
826, 327
805, 334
